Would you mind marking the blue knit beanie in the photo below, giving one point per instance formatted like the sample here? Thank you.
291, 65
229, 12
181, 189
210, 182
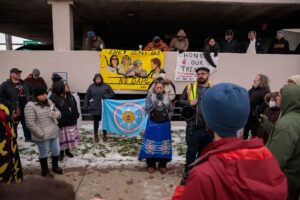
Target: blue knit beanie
226, 108
90, 34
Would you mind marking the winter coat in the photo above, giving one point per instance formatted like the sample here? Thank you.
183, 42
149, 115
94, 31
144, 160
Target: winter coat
68, 109
9, 96
164, 104
209, 49
198, 122
177, 44
163, 47
33, 82
284, 139
42, 122
280, 47
93, 44
94, 95
235, 169
272, 114
259, 47
10, 163
257, 101
230, 46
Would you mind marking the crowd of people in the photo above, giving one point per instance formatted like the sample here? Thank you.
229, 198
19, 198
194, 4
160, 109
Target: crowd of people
263, 164
254, 45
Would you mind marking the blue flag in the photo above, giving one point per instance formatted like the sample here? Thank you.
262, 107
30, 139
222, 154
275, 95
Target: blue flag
124, 117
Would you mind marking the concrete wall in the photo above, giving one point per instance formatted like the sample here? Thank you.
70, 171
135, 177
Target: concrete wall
82, 65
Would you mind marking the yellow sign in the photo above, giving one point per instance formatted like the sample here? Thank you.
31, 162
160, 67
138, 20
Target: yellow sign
130, 70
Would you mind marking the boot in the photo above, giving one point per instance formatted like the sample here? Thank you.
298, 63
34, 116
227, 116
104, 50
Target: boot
45, 170
96, 138
68, 153
104, 136
61, 155
55, 167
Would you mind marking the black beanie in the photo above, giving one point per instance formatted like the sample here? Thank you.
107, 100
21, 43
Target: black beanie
56, 77
39, 90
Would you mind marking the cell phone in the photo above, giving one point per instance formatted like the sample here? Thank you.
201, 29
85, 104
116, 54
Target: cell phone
52, 107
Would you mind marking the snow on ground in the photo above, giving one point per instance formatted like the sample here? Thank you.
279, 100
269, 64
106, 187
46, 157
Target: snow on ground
118, 151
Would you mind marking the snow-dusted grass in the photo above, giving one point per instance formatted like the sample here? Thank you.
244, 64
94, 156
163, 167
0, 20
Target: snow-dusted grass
118, 151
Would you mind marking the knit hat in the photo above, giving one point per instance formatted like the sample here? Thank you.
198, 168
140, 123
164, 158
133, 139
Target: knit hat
280, 33
90, 34
39, 90
225, 108
36, 72
296, 79
55, 77
156, 39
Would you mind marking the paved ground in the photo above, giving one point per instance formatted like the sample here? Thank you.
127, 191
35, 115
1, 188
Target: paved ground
119, 183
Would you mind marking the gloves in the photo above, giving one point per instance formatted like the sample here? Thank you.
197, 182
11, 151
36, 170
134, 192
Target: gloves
159, 96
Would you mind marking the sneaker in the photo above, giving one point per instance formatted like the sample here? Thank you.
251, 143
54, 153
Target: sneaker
96, 138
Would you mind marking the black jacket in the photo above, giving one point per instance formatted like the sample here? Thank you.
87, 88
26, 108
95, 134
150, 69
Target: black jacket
231, 46
258, 46
94, 94
9, 96
198, 122
280, 47
209, 49
257, 101
68, 109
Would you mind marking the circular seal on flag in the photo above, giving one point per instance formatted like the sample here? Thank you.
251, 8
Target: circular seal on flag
129, 116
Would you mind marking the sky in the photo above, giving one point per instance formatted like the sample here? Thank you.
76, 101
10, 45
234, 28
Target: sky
15, 40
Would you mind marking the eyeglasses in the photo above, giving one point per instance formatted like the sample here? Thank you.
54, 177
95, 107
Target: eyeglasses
201, 74
114, 59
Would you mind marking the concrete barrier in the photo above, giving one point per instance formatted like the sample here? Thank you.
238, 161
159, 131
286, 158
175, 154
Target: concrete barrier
82, 65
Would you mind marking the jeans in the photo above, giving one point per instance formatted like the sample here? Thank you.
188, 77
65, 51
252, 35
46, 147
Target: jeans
44, 146
26, 131
196, 140
97, 119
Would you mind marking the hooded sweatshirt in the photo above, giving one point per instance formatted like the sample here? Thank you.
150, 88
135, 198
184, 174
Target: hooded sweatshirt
94, 95
284, 139
231, 168
177, 44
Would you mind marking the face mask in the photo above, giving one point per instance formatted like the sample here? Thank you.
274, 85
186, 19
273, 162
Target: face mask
272, 104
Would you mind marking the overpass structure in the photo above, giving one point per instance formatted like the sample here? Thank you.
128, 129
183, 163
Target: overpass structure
125, 24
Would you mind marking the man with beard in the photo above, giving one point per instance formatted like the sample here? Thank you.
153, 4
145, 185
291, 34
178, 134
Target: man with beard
197, 135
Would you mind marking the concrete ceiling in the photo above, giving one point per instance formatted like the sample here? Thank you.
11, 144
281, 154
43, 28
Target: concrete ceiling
143, 19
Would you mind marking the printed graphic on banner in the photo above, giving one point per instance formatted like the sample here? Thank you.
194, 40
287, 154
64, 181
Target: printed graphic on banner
124, 117
188, 62
130, 70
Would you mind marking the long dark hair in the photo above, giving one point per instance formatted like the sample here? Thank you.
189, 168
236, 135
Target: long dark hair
59, 88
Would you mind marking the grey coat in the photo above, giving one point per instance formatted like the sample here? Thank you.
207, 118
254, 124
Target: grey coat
42, 122
153, 103
94, 95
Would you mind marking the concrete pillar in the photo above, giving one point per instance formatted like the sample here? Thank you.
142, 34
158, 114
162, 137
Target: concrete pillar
8, 42
62, 22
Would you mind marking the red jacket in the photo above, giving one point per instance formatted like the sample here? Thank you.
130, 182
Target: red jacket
235, 169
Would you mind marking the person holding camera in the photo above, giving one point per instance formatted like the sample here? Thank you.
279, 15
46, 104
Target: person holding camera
41, 118
197, 135
157, 143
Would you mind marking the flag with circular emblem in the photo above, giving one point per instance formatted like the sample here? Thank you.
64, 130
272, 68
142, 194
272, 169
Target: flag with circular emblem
124, 117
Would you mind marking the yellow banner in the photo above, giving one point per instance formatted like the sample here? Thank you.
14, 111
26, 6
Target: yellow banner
130, 70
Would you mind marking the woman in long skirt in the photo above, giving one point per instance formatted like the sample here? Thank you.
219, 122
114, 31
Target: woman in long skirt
157, 143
